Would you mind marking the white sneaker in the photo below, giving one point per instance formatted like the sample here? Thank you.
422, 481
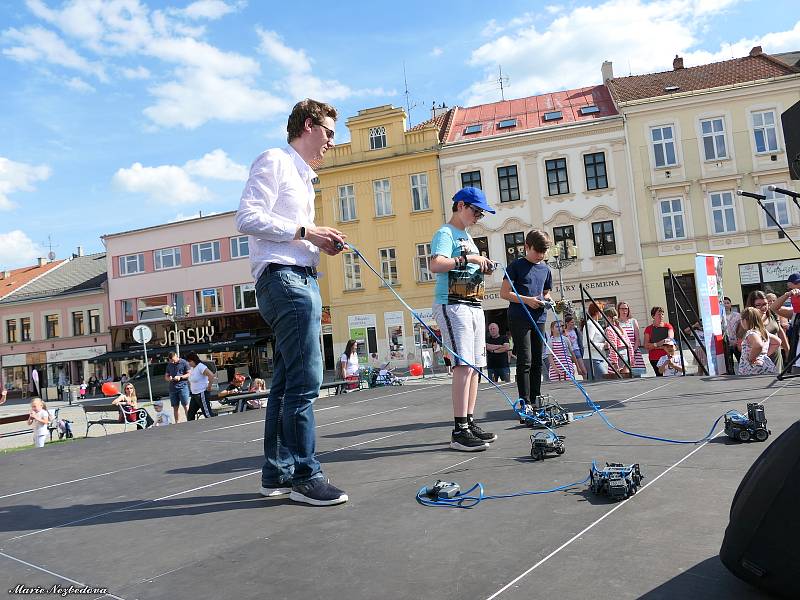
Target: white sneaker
276, 492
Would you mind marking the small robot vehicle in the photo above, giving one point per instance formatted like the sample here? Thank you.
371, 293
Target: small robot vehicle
546, 442
747, 428
546, 412
617, 481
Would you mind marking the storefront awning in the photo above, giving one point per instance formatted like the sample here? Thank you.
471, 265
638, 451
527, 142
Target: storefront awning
160, 351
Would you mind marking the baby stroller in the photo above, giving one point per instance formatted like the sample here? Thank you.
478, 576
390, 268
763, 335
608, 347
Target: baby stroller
385, 376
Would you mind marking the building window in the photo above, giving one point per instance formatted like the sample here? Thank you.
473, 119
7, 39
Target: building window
94, 320
131, 264
595, 166
471, 179
672, 219
25, 329
604, 241
127, 311
557, 181
483, 245
515, 246
509, 183
423, 263
663, 146
377, 138
52, 327
563, 235
152, 307
208, 300
713, 131
347, 203
764, 131
205, 252
240, 247
389, 265
244, 296
419, 192
722, 212
167, 258
775, 203
77, 323
383, 197
11, 331
352, 271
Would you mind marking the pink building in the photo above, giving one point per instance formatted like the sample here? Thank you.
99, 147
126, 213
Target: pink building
54, 324
199, 268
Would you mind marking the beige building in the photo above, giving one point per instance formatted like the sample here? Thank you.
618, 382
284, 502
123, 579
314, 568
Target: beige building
696, 135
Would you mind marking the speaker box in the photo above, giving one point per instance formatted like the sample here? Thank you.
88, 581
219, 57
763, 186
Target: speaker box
762, 541
790, 120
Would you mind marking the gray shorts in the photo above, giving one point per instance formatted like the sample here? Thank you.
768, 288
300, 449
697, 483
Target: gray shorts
464, 330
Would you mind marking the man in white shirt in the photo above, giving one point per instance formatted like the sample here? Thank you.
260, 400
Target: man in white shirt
277, 212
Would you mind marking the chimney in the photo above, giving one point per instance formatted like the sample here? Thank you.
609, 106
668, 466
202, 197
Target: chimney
677, 62
80, 250
756, 51
6, 274
42, 261
438, 110
607, 70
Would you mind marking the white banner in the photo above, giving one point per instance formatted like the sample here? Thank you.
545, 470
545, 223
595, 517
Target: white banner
749, 275
708, 274
57, 356
355, 321
779, 270
14, 360
393, 319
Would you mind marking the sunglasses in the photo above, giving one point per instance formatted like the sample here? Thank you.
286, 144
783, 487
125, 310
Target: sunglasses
328, 132
478, 212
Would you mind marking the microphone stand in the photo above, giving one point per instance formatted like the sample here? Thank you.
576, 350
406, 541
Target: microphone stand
793, 195
758, 198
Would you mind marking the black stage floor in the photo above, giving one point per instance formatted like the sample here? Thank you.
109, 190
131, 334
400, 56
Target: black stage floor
174, 512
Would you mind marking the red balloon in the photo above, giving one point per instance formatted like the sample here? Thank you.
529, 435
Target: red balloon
109, 389
415, 369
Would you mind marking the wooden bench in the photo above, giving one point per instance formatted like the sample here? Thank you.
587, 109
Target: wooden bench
338, 385
113, 414
16, 419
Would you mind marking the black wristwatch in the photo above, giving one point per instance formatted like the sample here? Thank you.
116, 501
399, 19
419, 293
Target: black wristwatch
302, 232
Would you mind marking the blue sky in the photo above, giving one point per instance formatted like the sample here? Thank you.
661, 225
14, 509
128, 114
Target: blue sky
118, 114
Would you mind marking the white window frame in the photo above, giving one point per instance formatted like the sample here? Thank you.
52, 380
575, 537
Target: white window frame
346, 203
664, 142
783, 216
764, 128
159, 255
237, 243
132, 303
382, 191
716, 137
377, 138
238, 296
199, 305
388, 260
726, 209
420, 200
47, 335
200, 247
151, 313
352, 271
89, 329
672, 214
423, 275
131, 267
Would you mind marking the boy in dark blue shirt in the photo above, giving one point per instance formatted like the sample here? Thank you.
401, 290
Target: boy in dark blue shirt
532, 279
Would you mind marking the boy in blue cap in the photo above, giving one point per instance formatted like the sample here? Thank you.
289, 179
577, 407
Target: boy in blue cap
459, 269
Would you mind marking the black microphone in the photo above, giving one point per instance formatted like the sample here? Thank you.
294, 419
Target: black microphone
774, 188
750, 195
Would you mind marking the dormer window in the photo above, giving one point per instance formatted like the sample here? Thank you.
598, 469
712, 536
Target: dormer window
589, 110
507, 123
473, 129
377, 138
554, 115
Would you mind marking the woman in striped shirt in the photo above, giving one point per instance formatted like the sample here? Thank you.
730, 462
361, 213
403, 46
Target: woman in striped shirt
631, 328
562, 357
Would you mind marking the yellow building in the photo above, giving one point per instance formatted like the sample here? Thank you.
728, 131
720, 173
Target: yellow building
696, 135
382, 189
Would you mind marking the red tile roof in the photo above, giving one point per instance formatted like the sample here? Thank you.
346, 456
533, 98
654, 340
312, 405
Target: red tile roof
529, 113
702, 77
442, 121
19, 277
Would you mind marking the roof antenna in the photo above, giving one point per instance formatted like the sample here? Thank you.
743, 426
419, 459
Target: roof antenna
502, 82
51, 256
409, 106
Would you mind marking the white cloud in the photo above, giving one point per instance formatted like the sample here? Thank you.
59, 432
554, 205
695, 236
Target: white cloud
217, 165
137, 73
637, 36
37, 43
208, 9
17, 249
167, 183
182, 217
79, 85
436, 51
17, 176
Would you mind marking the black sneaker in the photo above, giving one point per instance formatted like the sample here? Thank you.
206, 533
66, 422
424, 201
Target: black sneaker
465, 440
318, 492
276, 491
481, 434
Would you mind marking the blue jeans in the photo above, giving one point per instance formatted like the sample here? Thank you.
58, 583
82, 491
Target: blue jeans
290, 303
178, 396
499, 374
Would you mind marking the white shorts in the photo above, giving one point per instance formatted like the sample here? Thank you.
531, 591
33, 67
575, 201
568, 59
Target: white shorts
464, 330
39, 439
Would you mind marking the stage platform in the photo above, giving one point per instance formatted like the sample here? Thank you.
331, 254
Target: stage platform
174, 512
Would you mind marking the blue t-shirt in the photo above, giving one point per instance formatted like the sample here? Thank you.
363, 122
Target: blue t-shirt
179, 368
459, 286
530, 280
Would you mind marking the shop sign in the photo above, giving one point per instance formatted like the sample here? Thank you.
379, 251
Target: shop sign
36, 358
426, 314
393, 319
326, 315
590, 285
189, 335
13, 360
57, 356
356, 321
779, 270
748, 274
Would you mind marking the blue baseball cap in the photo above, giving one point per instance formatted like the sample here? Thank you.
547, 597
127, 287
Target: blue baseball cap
475, 197
794, 278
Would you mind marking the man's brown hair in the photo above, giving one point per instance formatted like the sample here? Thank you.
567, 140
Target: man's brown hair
538, 240
307, 109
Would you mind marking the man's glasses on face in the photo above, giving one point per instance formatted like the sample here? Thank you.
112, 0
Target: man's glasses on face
477, 211
328, 132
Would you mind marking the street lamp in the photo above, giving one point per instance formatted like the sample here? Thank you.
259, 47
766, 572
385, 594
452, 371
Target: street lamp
171, 312
566, 253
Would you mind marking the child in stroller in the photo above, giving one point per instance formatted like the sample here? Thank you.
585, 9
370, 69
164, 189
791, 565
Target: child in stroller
384, 376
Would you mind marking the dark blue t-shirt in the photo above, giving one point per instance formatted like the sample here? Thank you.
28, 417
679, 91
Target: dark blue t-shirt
530, 280
179, 368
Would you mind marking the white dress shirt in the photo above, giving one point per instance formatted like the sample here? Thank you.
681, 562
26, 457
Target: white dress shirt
277, 199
